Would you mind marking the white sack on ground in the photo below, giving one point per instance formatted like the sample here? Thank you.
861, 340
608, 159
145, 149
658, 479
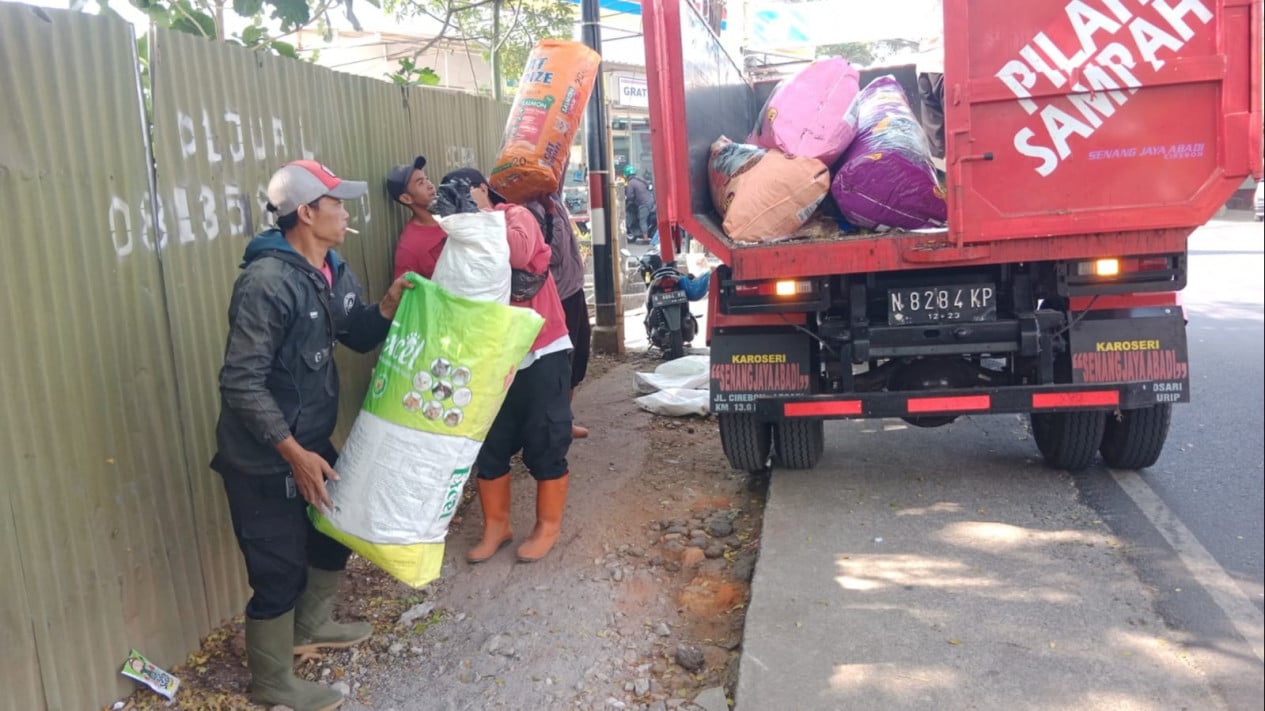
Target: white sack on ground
676, 402
687, 372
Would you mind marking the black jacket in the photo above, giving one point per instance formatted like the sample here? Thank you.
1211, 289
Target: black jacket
279, 377
638, 205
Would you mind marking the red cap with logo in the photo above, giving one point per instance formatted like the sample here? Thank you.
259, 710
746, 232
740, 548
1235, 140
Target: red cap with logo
303, 181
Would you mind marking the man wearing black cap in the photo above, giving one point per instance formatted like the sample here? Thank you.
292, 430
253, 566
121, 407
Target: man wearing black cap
293, 302
422, 240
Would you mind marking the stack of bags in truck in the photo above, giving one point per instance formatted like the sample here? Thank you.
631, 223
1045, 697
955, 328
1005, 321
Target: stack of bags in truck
821, 134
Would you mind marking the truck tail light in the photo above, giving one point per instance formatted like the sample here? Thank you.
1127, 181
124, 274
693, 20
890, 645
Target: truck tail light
1107, 267
1118, 266
781, 287
1107, 275
793, 288
774, 295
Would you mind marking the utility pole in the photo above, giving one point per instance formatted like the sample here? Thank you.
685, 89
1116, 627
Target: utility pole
496, 50
606, 334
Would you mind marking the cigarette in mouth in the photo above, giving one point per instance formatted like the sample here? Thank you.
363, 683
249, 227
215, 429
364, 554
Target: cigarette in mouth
352, 230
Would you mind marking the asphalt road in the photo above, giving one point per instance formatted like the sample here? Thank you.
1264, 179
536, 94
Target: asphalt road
1194, 521
949, 568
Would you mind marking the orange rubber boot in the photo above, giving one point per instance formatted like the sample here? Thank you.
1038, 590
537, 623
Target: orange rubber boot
494, 499
551, 499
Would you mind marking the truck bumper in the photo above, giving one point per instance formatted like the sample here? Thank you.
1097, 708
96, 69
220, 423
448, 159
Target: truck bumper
1001, 400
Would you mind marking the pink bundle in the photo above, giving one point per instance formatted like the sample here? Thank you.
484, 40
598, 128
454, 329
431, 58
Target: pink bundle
804, 117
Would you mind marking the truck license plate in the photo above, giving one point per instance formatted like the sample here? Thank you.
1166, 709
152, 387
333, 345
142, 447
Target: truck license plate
668, 298
941, 304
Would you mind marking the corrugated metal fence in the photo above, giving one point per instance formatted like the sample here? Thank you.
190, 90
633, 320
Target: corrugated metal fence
117, 283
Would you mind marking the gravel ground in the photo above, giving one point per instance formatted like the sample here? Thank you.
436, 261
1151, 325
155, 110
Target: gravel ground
639, 606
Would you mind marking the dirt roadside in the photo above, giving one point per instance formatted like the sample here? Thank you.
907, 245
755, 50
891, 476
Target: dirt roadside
640, 606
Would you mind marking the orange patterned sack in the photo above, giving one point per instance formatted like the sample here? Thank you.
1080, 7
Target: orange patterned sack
764, 195
546, 114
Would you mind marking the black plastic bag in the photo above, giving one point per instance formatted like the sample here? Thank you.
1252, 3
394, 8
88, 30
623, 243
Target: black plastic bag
453, 197
525, 284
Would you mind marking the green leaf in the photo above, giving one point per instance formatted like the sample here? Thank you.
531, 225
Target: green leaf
148, 6
285, 49
247, 8
253, 35
159, 13
427, 77
292, 13
195, 22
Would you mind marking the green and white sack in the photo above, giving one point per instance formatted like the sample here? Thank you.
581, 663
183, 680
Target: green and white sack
445, 368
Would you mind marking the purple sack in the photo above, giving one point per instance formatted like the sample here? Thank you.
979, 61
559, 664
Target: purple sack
886, 179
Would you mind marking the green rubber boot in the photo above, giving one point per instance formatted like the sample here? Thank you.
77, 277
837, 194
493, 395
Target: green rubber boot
269, 645
314, 625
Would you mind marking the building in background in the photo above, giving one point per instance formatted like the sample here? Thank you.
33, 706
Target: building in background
377, 54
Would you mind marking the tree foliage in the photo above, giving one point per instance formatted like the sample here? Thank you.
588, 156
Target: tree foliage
503, 31
206, 18
409, 74
865, 54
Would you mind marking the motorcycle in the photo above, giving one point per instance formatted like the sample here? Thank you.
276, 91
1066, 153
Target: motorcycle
669, 323
647, 265
650, 260
632, 270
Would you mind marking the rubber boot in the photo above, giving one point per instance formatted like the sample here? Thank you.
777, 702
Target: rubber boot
269, 647
494, 499
551, 498
314, 625
577, 432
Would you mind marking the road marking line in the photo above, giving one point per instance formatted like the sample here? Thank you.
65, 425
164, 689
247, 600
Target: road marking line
1248, 620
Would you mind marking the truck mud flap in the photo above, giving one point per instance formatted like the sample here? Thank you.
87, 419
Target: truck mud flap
750, 366
1144, 347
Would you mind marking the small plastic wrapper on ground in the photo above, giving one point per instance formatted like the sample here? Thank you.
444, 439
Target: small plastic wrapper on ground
141, 669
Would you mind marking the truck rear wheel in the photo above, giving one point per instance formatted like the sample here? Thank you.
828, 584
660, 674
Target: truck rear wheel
800, 442
1068, 440
746, 441
1134, 439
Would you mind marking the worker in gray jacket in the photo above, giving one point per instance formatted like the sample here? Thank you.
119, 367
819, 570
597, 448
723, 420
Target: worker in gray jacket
293, 303
567, 267
638, 205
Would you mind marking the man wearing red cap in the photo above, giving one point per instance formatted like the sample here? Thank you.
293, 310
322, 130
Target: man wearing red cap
293, 302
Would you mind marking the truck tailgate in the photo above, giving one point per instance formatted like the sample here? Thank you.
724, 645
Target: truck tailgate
1073, 129
1098, 116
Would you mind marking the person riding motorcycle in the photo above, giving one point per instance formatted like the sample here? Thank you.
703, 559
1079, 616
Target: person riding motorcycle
638, 205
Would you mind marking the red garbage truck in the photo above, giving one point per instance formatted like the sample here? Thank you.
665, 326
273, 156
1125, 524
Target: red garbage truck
1084, 141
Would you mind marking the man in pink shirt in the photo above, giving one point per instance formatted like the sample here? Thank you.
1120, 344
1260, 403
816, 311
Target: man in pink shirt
422, 239
536, 415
